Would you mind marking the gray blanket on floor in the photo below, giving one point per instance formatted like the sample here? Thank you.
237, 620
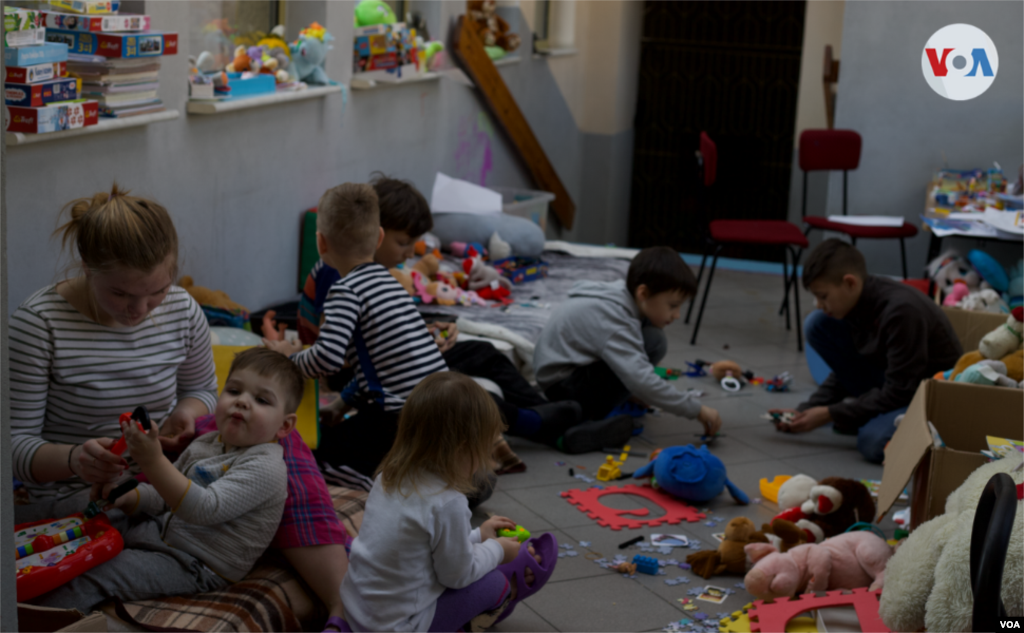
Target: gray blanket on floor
541, 296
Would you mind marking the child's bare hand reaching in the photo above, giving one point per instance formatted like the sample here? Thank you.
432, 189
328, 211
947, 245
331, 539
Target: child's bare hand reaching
490, 527
711, 420
144, 446
283, 347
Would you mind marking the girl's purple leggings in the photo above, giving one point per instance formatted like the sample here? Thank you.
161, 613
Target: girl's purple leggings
456, 607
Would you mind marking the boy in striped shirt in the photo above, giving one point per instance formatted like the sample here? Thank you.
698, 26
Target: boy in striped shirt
371, 323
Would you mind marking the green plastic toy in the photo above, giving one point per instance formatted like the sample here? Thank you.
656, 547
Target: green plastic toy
370, 12
519, 533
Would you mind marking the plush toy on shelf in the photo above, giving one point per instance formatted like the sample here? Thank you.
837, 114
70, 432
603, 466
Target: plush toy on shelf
372, 12
1006, 339
308, 54
492, 29
825, 508
846, 561
692, 474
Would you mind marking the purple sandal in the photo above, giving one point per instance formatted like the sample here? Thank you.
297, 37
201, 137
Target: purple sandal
338, 622
547, 546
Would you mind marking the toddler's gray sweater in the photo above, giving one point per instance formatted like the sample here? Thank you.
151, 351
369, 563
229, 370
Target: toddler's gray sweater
231, 510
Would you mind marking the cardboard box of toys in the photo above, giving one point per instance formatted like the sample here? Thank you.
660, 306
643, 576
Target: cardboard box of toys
962, 415
952, 408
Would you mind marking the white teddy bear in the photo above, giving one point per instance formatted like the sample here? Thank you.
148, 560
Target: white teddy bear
928, 579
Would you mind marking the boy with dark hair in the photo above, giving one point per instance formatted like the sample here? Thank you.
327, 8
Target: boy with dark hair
601, 345
880, 337
371, 324
405, 217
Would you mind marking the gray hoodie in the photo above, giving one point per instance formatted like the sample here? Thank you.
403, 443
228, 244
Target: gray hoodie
601, 321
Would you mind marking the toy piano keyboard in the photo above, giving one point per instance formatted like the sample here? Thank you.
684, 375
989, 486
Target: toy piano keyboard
52, 552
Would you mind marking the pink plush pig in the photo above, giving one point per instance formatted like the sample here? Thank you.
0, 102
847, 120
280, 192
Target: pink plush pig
846, 561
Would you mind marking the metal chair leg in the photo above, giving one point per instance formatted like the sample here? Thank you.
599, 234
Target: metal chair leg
903, 255
703, 302
700, 274
785, 277
796, 301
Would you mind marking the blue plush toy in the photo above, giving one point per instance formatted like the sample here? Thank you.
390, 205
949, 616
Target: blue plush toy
692, 474
308, 55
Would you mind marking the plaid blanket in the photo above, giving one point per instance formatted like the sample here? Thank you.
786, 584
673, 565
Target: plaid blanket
271, 598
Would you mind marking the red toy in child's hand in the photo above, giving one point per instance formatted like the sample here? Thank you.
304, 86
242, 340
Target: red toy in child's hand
141, 416
52, 552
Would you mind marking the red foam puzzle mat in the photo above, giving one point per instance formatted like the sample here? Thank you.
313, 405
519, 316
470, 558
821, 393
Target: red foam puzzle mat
589, 501
773, 616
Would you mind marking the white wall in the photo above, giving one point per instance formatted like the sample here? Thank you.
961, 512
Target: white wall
909, 131
236, 183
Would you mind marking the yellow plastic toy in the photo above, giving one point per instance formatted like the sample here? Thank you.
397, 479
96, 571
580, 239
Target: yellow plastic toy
609, 470
738, 622
770, 490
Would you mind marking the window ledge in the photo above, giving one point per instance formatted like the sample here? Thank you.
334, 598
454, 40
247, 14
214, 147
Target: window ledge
358, 83
217, 107
556, 52
104, 125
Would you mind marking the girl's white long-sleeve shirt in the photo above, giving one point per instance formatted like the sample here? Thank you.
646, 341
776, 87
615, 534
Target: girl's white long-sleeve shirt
409, 550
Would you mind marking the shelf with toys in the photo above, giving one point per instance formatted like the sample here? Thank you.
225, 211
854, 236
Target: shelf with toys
218, 107
360, 83
270, 72
104, 125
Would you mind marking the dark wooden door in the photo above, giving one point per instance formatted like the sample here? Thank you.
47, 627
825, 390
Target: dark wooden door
731, 69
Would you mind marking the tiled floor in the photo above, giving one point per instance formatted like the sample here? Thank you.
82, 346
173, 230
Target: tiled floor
740, 324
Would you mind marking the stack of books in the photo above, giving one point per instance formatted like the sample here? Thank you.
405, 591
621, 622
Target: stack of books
39, 95
115, 55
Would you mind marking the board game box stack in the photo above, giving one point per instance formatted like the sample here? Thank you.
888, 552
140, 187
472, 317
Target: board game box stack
39, 95
116, 56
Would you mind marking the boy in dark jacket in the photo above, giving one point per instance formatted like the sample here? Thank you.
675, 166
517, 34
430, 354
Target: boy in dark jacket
880, 337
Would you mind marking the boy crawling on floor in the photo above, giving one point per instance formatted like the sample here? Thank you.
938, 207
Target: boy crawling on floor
201, 522
601, 345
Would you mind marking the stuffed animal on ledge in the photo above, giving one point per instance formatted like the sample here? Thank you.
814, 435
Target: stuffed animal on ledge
492, 29
308, 54
826, 508
1006, 339
846, 561
692, 474
730, 557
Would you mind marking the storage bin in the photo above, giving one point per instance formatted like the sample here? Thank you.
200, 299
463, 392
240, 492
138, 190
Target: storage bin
526, 203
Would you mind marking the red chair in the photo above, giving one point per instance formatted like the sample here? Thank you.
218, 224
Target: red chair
828, 150
724, 232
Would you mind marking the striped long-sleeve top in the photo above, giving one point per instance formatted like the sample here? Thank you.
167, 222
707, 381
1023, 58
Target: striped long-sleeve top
400, 347
71, 378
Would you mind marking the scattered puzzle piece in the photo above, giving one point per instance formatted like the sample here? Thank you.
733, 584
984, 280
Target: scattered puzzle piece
571, 553
584, 543
700, 615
